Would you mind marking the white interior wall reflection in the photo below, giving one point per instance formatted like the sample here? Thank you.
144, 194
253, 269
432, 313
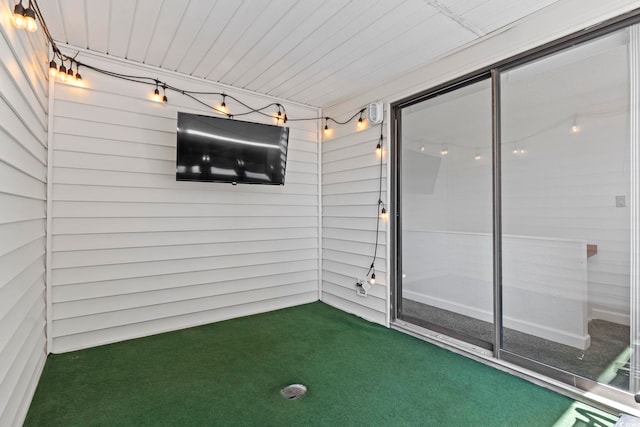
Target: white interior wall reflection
565, 132
559, 193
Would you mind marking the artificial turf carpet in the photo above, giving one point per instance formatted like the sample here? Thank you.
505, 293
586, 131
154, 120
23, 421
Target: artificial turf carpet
230, 374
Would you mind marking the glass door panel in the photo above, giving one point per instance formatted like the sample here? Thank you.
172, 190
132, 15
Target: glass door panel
445, 232
565, 210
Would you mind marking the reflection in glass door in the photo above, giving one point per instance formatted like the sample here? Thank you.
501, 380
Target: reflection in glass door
565, 212
565, 168
446, 214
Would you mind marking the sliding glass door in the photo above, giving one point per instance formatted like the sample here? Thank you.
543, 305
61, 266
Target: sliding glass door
517, 226
446, 210
565, 210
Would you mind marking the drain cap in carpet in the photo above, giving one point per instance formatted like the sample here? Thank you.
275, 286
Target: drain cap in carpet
293, 391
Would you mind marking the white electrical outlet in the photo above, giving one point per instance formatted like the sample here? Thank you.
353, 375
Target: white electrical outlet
362, 287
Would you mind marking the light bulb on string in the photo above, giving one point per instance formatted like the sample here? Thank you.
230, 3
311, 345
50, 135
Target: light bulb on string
372, 280
53, 67
383, 214
78, 76
360, 124
69, 76
223, 105
379, 147
30, 19
164, 94
156, 94
326, 126
62, 72
18, 19
444, 151
575, 128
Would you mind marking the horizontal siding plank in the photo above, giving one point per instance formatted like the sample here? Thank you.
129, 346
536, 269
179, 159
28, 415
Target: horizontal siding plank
87, 258
17, 208
64, 327
378, 290
365, 236
124, 179
141, 329
14, 262
355, 308
63, 209
13, 181
360, 174
140, 225
17, 234
14, 154
208, 193
77, 242
92, 307
353, 199
287, 272
370, 301
17, 287
65, 276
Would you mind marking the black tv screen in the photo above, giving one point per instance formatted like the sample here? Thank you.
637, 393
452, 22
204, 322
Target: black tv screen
225, 150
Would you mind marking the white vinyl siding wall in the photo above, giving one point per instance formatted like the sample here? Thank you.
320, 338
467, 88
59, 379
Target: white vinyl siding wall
350, 185
134, 251
23, 188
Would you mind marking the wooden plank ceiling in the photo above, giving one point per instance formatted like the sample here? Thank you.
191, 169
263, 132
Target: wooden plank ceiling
309, 51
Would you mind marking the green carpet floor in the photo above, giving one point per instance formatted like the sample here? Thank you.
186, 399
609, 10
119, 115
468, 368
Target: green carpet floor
230, 373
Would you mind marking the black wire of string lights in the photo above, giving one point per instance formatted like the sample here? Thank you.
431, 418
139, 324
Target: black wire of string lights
281, 115
380, 209
67, 74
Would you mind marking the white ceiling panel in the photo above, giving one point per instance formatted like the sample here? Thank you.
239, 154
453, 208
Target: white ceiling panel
76, 11
145, 25
242, 46
339, 31
216, 23
301, 31
165, 31
189, 27
120, 26
379, 41
309, 51
271, 42
98, 21
245, 18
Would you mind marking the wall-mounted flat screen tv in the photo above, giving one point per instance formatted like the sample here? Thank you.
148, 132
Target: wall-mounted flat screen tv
225, 150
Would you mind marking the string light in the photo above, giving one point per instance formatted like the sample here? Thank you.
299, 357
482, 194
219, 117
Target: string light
443, 152
360, 124
156, 94
382, 209
62, 72
223, 106
53, 68
19, 20
383, 214
30, 19
575, 128
65, 75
